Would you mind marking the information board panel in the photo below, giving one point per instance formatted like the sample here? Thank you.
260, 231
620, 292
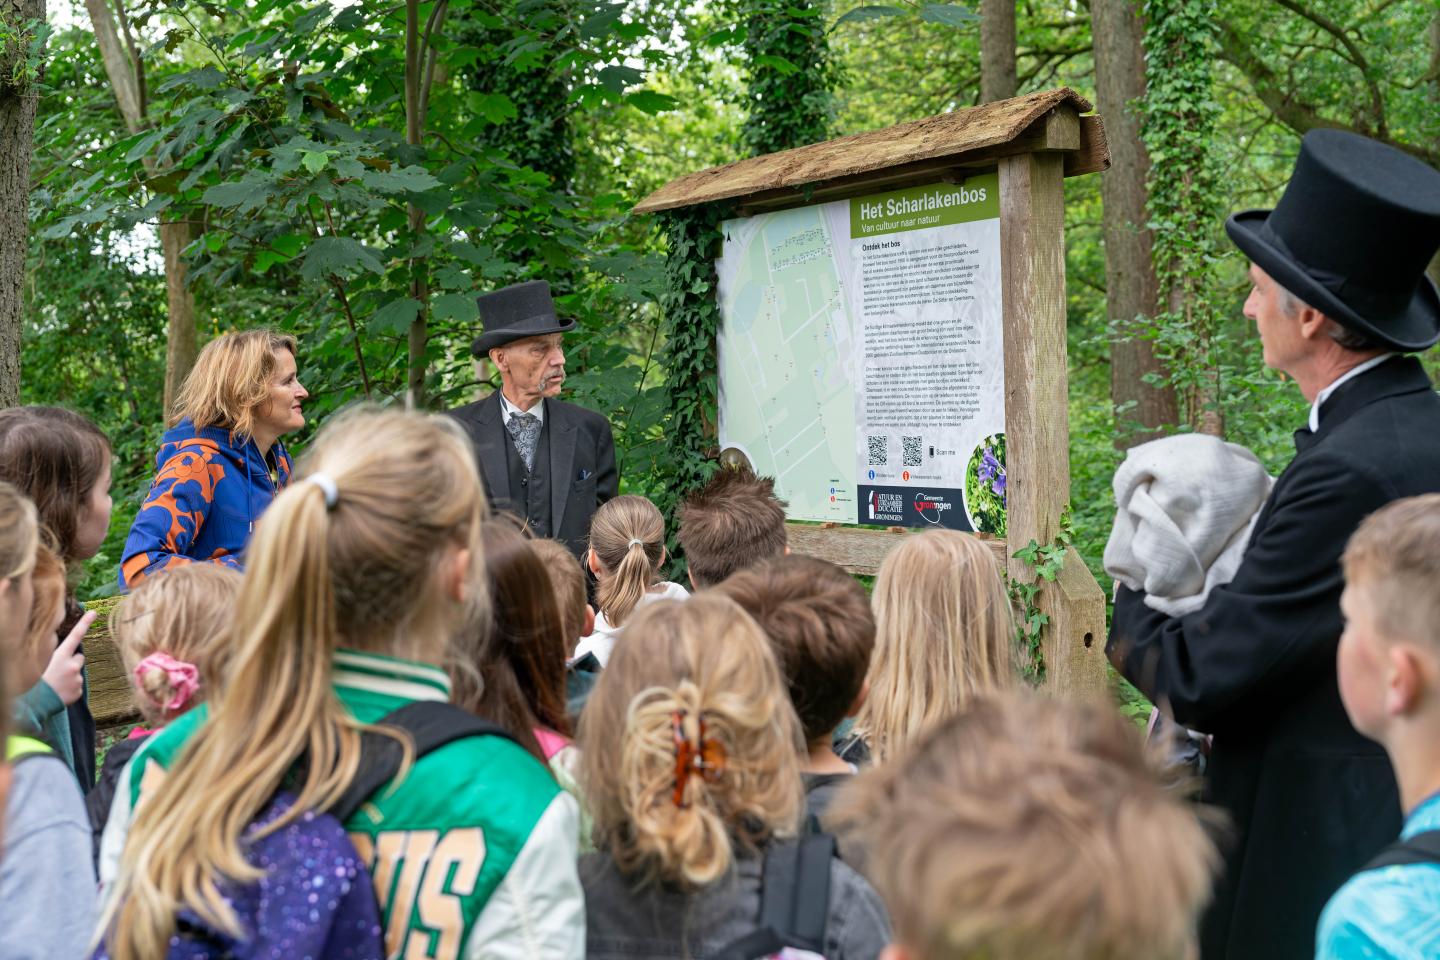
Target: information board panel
861, 355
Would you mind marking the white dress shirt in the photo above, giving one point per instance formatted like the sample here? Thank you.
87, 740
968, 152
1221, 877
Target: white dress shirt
537, 411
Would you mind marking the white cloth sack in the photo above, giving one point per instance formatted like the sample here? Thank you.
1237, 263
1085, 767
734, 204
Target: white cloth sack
1185, 506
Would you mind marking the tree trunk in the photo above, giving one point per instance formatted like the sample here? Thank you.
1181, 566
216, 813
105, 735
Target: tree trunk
180, 345
127, 82
997, 50
18, 97
1131, 288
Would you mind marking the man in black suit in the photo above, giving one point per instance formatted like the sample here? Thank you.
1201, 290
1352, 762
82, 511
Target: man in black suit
549, 462
1339, 297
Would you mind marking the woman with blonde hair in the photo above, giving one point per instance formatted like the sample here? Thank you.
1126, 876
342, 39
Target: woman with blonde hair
943, 634
690, 761
359, 580
221, 462
627, 550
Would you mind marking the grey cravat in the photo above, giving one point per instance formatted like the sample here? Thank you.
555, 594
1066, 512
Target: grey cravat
524, 430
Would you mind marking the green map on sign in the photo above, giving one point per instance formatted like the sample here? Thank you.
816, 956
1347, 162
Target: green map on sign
786, 357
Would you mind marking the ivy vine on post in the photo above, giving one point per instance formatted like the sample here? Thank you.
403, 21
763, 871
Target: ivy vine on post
1030, 621
1179, 130
691, 319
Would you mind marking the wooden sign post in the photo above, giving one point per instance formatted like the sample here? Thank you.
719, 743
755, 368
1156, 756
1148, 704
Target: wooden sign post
1032, 143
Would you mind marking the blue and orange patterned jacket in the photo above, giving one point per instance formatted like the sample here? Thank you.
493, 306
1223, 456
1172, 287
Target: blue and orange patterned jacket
207, 494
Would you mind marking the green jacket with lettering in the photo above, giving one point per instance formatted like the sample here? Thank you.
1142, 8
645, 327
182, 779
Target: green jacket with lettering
473, 852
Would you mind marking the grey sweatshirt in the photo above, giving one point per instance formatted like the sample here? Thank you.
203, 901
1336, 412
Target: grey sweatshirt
47, 876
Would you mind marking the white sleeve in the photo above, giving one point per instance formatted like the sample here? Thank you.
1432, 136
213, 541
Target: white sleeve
538, 910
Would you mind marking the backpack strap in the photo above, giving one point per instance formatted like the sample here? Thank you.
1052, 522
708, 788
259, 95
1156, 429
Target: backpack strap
1421, 848
794, 900
19, 747
430, 724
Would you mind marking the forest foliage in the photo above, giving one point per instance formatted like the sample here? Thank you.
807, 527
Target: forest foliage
283, 135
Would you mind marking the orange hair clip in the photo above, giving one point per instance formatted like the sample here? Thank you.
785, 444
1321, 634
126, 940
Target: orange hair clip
704, 757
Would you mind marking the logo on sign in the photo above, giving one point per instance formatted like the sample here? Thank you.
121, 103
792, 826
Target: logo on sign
930, 507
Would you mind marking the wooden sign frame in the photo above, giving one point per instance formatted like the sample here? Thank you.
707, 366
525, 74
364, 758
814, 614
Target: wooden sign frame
1033, 142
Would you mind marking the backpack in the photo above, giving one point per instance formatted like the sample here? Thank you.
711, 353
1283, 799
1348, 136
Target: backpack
317, 898
794, 901
1421, 848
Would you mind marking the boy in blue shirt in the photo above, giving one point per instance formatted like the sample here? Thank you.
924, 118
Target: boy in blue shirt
1389, 669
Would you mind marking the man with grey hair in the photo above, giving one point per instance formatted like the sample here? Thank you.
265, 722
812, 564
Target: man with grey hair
1339, 296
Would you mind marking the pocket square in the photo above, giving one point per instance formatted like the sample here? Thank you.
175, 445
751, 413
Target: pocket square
584, 475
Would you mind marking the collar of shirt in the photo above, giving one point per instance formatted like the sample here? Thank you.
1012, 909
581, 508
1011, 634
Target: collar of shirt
1350, 374
1423, 818
538, 411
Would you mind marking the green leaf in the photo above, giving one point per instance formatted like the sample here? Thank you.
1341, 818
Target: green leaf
338, 255
947, 13
651, 102
779, 64
869, 12
616, 78
314, 160
494, 107
459, 307
395, 316
403, 180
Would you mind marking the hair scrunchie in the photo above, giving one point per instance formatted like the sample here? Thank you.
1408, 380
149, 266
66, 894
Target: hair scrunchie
633, 541
327, 486
184, 678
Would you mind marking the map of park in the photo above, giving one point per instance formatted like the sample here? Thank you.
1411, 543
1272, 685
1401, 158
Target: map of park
789, 407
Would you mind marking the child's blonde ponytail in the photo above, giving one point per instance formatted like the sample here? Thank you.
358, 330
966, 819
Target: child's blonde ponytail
628, 537
690, 749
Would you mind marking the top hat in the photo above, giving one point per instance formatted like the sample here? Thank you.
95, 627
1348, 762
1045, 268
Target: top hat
515, 312
1352, 235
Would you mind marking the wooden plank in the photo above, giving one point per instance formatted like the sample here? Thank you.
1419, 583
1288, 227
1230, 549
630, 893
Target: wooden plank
1094, 153
1057, 130
1073, 643
111, 700
1036, 425
859, 549
948, 136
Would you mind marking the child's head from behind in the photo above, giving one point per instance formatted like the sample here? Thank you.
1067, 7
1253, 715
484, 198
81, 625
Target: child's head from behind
61, 461
173, 635
567, 579
627, 547
734, 521
689, 746
1029, 828
1391, 603
516, 676
943, 633
19, 539
818, 621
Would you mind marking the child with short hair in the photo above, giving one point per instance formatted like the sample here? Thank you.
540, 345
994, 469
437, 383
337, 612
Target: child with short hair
1389, 671
943, 634
359, 578
734, 521
627, 550
690, 757
1030, 828
173, 636
61, 462
47, 881
818, 621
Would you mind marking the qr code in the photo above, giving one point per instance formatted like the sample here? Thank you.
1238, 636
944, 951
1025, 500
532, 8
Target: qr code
910, 454
879, 449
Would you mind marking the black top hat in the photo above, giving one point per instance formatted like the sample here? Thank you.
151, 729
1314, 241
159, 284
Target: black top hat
1351, 237
515, 312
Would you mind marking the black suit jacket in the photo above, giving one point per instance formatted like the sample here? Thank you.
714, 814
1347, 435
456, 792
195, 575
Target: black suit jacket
582, 462
1310, 799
